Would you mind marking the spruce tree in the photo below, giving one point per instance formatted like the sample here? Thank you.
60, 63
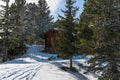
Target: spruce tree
85, 36
66, 39
1, 17
17, 12
44, 19
104, 16
30, 22
6, 29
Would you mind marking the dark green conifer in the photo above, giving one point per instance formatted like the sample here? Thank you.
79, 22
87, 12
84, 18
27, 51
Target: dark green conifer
104, 17
17, 12
5, 27
44, 20
67, 33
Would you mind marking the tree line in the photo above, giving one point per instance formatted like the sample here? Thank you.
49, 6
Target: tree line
96, 32
22, 23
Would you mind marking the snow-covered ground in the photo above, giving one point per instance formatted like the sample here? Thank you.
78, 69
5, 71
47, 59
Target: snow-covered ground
34, 65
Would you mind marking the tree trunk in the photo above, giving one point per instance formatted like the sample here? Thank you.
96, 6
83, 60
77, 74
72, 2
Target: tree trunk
70, 62
6, 53
5, 56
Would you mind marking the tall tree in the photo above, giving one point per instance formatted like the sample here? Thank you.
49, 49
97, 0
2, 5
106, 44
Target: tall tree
104, 16
44, 19
67, 31
31, 22
17, 12
6, 28
85, 35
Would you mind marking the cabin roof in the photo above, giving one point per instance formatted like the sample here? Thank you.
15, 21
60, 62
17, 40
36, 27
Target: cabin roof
54, 29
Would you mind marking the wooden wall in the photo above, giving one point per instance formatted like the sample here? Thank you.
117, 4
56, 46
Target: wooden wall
49, 36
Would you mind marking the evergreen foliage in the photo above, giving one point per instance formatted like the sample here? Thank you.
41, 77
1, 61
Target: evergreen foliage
97, 32
38, 21
12, 42
104, 18
44, 20
5, 34
30, 22
85, 36
22, 24
17, 12
65, 42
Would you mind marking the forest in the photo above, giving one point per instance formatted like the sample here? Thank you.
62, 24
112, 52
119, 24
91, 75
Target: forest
96, 32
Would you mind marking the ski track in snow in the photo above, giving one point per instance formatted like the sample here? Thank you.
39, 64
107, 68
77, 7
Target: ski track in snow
20, 73
35, 66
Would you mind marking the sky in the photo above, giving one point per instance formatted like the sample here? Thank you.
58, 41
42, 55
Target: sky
61, 5
57, 5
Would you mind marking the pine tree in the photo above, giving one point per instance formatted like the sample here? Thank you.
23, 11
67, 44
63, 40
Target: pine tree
30, 22
66, 40
1, 15
6, 29
85, 36
17, 12
44, 19
104, 16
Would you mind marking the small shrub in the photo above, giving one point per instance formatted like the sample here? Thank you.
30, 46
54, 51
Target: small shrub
74, 69
64, 68
51, 58
67, 68
85, 72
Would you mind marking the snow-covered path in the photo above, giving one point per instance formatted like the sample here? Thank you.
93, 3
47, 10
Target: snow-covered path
40, 71
35, 66
19, 72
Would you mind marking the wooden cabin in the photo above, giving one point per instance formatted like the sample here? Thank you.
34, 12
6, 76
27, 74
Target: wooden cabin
49, 36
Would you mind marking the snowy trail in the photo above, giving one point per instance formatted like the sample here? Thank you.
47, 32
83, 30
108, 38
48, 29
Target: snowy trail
19, 72
39, 71
34, 65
